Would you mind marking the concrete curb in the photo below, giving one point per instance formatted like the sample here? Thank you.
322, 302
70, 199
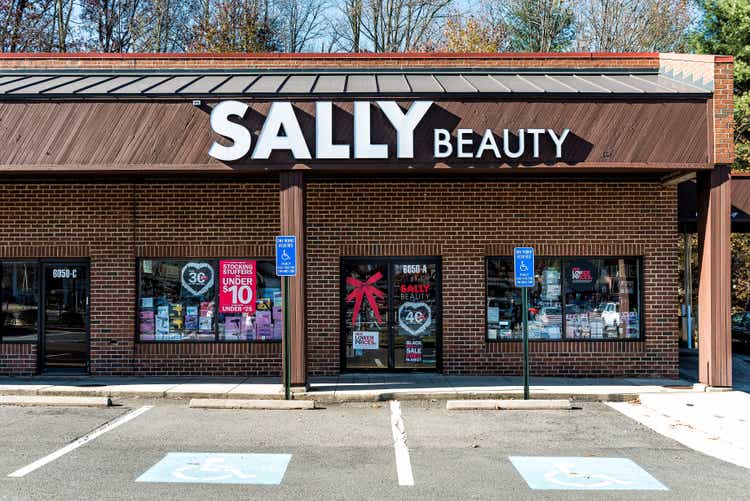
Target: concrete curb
328, 397
47, 401
383, 396
525, 405
227, 403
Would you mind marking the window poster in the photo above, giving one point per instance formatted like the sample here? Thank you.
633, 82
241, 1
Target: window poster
162, 323
365, 340
414, 318
237, 286
205, 317
191, 318
176, 320
263, 323
148, 327
493, 314
232, 327
581, 275
197, 279
413, 351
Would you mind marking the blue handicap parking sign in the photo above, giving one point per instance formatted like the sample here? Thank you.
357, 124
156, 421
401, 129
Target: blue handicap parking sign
218, 468
286, 256
584, 473
523, 265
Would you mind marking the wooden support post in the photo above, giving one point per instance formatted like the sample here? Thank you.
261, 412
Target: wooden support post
715, 274
292, 210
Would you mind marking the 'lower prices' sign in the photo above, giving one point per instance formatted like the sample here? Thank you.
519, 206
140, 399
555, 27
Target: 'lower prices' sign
365, 340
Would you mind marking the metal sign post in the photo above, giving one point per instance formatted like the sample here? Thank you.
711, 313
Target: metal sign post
523, 265
286, 266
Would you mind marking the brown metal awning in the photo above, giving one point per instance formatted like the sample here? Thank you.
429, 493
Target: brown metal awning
19, 84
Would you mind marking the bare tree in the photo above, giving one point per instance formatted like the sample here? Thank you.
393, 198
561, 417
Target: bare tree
111, 25
389, 25
22, 25
165, 25
346, 26
482, 30
58, 27
235, 26
539, 25
633, 25
300, 22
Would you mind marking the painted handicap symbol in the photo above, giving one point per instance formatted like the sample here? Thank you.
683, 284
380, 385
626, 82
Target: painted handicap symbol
523, 267
212, 469
567, 475
584, 473
218, 468
285, 256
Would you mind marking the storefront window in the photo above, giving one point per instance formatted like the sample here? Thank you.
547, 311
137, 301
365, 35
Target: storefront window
19, 311
601, 299
504, 320
208, 300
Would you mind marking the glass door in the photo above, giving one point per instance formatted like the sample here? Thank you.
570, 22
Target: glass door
365, 327
65, 333
416, 308
391, 315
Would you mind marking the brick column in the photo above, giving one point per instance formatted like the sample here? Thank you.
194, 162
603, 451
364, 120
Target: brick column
714, 277
292, 210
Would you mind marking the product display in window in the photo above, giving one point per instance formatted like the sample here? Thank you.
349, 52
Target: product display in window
601, 299
209, 300
504, 315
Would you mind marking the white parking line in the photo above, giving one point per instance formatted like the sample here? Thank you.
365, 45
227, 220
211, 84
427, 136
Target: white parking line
81, 441
403, 463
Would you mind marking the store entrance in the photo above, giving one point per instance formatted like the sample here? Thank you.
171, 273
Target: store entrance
65, 323
391, 313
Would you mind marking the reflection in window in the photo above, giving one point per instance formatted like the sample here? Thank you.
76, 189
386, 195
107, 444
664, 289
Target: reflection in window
601, 299
504, 320
19, 314
186, 300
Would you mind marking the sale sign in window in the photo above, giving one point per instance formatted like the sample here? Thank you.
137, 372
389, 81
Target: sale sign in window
237, 279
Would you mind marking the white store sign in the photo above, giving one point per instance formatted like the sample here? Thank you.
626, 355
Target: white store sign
503, 143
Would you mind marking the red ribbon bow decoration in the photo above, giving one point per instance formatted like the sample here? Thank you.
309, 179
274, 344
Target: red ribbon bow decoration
362, 290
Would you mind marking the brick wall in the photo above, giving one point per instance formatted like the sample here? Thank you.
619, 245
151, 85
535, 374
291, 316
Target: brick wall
463, 223
17, 359
112, 224
459, 221
274, 60
723, 111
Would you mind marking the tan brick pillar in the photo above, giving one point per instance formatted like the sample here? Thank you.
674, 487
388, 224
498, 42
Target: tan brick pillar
714, 277
292, 210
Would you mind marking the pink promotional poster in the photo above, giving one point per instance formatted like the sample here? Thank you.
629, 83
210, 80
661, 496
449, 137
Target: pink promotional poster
237, 279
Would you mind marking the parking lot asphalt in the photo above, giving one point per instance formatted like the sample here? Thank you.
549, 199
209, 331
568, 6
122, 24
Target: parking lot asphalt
345, 452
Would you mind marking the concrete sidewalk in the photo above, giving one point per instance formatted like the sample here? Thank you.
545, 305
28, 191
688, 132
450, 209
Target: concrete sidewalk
346, 387
713, 423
